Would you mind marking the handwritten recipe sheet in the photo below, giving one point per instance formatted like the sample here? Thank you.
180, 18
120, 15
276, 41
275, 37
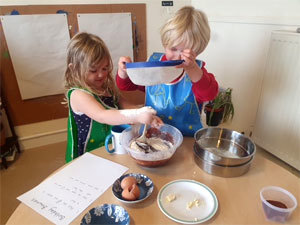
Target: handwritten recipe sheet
63, 196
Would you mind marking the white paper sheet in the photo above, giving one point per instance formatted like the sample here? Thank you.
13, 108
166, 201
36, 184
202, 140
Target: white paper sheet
63, 196
37, 46
115, 29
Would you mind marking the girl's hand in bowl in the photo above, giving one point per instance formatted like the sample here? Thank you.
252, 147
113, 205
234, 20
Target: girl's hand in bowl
147, 115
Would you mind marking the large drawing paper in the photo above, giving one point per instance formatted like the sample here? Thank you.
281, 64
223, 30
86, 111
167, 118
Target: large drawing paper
115, 29
63, 196
37, 46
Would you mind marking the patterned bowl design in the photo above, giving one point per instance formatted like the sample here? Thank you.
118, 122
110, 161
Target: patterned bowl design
145, 185
106, 214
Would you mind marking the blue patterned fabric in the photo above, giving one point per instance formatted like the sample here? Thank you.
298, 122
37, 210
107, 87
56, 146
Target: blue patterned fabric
84, 123
175, 103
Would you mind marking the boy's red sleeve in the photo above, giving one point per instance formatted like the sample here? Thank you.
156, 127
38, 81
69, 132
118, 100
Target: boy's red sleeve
206, 89
127, 85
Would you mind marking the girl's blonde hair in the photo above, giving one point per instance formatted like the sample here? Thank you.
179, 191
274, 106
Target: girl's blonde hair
188, 26
86, 51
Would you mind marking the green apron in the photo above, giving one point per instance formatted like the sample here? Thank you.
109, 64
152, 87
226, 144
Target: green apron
96, 136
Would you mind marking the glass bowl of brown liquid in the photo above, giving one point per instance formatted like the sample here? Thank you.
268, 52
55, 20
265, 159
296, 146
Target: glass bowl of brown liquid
278, 203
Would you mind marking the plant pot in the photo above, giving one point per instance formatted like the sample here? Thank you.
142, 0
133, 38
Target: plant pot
216, 117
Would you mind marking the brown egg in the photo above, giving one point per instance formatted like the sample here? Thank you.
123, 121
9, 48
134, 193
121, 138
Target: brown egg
135, 190
131, 193
128, 182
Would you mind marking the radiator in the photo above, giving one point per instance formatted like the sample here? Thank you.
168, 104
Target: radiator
277, 124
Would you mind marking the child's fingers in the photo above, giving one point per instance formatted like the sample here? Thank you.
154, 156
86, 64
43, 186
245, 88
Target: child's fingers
123, 60
188, 55
157, 122
147, 109
186, 63
122, 65
126, 59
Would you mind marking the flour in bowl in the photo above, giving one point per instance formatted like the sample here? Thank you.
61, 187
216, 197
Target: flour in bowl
153, 144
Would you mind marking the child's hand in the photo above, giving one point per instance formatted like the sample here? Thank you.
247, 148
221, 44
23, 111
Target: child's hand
122, 66
190, 65
147, 115
156, 122
189, 58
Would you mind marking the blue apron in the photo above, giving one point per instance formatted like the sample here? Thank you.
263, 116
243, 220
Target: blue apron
175, 103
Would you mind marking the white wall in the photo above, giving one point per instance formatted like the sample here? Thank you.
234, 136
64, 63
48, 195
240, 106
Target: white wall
237, 52
258, 11
155, 14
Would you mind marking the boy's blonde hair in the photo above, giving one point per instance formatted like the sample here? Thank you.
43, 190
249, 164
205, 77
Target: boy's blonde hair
188, 26
86, 51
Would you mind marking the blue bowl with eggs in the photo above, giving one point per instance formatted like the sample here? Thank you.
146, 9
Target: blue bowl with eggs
144, 183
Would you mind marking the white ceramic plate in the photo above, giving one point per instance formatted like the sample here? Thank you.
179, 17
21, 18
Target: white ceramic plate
188, 191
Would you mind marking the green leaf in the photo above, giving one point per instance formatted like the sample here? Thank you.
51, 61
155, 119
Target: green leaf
223, 100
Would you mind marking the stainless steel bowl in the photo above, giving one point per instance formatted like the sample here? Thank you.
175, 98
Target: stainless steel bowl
222, 171
223, 147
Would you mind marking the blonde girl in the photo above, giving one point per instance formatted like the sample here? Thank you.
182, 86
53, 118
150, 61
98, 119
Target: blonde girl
93, 97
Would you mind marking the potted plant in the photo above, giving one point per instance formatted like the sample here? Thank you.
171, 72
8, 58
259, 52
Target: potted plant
220, 109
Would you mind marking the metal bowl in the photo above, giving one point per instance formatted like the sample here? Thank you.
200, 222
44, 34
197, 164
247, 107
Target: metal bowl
222, 171
223, 147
